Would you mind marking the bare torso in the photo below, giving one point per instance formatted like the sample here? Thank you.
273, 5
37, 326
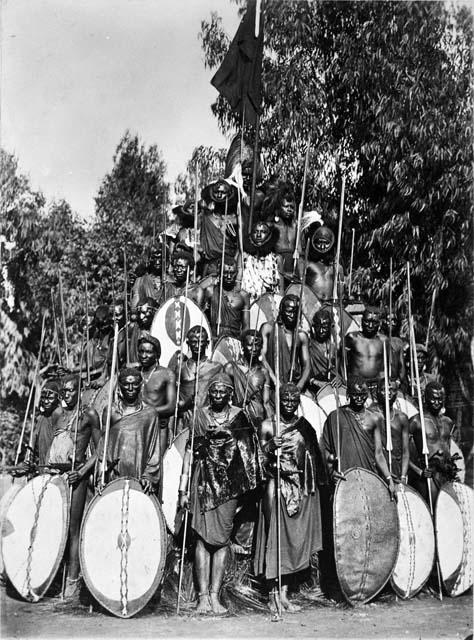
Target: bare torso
320, 279
365, 355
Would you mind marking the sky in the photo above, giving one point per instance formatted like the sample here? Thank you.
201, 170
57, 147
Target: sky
76, 74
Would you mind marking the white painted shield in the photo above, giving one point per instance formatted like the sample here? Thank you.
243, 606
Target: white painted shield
405, 405
172, 467
168, 322
34, 534
13, 486
264, 309
417, 543
123, 547
454, 521
227, 349
313, 413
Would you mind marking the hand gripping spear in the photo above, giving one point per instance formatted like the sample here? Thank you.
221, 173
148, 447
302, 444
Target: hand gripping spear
425, 450
278, 452
188, 483
180, 363
388, 427
109, 405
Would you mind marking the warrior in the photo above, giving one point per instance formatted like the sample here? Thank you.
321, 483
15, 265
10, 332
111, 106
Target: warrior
148, 284
227, 466
65, 440
145, 313
365, 350
185, 237
287, 334
215, 225
99, 347
399, 430
302, 469
197, 341
231, 302
438, 427
425, 376
159, 390
397, 345
359, 434
322, 351
251, 379
320, 270
262, 265
44, 432
119, 318
279, 209
182, 264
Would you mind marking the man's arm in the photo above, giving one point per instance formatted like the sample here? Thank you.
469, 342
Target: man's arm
379, 455
167, 409
304, 360
266, 398
266, 331
405, 447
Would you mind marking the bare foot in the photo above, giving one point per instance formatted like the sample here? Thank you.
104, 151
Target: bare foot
217, 608
203, 605
287, 605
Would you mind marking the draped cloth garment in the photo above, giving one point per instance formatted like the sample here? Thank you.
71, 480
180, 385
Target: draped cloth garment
260, 275
230, 318
357, 447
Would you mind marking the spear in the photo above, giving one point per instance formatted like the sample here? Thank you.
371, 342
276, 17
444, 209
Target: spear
390, 311
196, 211
251, 360
336, 395
410, 320
388, 427
300, 208
339, 238
163, 253
278, 452
30, 396
222, 271
180, 364
63, 316
125, 303
430, 321
300, 309
88, 364
254, 172
191, 453
109, 404
343, 335
350, 265
55, 325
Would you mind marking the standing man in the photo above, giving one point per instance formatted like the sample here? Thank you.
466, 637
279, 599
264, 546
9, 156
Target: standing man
262, 265
287, 334
232, 302
399, 429
44, 431
148, 285
227, 466
360, 440
322, 351
182, 263
397, 345
62, 451
320, 271
279, 210
441, 467
159, 385
365, 350
302, 469
145, 313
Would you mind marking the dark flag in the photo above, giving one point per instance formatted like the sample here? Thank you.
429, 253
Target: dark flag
239, 78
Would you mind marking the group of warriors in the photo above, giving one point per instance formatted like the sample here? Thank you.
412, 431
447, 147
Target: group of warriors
237, 349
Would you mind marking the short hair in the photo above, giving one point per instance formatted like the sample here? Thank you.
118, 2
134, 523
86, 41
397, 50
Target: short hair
290, 387
434, 385
229, 261
183, 255
70, 377
147, 337
255, 333
196, 329
289, 297
147, 300
51, 385
129, 371
354, 381
371, 309
322, 314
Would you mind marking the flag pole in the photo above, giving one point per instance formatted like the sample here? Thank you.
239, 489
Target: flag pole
196, 212
278, 469
254, 172
125, 303
300, 208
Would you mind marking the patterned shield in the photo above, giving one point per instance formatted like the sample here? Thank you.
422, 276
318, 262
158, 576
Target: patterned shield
264, 309
227, 349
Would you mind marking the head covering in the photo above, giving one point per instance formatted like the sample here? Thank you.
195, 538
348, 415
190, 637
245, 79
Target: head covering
129, 371
291, 388
147, 337
323, 232
222, 378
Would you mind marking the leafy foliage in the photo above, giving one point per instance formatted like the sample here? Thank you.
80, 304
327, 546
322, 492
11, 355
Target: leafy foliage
210, 163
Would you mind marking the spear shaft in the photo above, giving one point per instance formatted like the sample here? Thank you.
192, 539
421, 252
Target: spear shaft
278, 452
221, 284
430, 321
300, 208
63, 316
180, 363
109, 404
88, 364
339, 239
196, 211
388, 427
125, 304
351, 264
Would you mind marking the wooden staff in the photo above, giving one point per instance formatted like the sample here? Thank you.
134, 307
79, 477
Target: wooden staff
300, 208
425, 450
254, 172
351, 264
388, 427
278, 468
241, 239
343, 336
63, 316
390, 311
163, 254
221, 284
191, 454
300, 310
339, 238
251, 360
180, 364
125, 304
55, 325
109, 404
410, 320
31, 394
433, 299
88, 364
336, 395
196, 212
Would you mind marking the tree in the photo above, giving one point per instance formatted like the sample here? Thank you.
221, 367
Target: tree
210, 163
383, 92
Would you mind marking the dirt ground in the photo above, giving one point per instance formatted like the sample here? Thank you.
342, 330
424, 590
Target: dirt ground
420, 618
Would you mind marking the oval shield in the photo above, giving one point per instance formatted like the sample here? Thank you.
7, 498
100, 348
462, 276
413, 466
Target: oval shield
172, 467
34, 535
123, 547
417, 543
264, 309
365, 529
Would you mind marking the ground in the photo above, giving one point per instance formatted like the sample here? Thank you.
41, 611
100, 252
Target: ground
420, 618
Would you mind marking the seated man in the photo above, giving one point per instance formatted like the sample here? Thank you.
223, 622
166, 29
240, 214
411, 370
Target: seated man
148, 284
227, 465
302, 469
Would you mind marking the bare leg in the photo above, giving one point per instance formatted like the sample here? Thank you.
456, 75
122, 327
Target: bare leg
219, 559
202, 564
77, 510
163, 439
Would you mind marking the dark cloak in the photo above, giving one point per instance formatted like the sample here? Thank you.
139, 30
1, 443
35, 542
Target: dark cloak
357, 445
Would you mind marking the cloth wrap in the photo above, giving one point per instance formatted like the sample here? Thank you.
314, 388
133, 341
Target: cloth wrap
260, 275
212, 239
284, 355
357, 447
230, 317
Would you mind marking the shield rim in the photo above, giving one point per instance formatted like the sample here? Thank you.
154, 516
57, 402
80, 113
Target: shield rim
371, 597
116, 485
400, 592
63, 487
